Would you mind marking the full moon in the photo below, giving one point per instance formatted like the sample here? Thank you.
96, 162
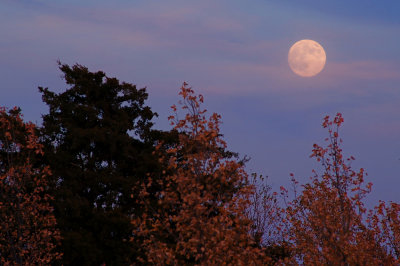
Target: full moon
306, 58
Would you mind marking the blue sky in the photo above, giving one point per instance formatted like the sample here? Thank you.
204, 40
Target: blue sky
235, 54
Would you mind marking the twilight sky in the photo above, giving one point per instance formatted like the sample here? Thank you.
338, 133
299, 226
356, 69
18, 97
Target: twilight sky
235, 54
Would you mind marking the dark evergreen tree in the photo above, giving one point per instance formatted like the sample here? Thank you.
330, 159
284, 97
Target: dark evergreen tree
98, 142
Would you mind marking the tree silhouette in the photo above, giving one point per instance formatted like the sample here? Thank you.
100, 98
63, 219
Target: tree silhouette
127, 194
98, 142
264, 212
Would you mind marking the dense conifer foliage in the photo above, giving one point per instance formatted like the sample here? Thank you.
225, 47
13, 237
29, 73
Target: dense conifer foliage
28, 234
98, 143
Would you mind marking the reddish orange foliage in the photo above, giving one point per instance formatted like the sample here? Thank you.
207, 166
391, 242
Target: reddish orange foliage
327, 223
27, 229
385, 220
199, 217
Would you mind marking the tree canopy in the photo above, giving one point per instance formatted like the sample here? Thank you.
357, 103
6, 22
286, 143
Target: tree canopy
327, 223
97, 185
98, 143
201, 218
28, 233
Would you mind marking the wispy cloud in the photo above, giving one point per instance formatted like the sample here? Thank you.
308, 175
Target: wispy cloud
366, 70
198, 43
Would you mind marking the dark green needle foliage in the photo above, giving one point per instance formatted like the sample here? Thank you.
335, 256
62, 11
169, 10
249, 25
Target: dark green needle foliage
98, 143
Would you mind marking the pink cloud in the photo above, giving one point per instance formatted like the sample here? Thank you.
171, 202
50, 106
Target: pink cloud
163, 27
363, 70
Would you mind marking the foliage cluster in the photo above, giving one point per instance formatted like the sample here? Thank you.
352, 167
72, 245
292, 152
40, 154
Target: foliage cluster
328, 223
97, 185
203, 198
28, 233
